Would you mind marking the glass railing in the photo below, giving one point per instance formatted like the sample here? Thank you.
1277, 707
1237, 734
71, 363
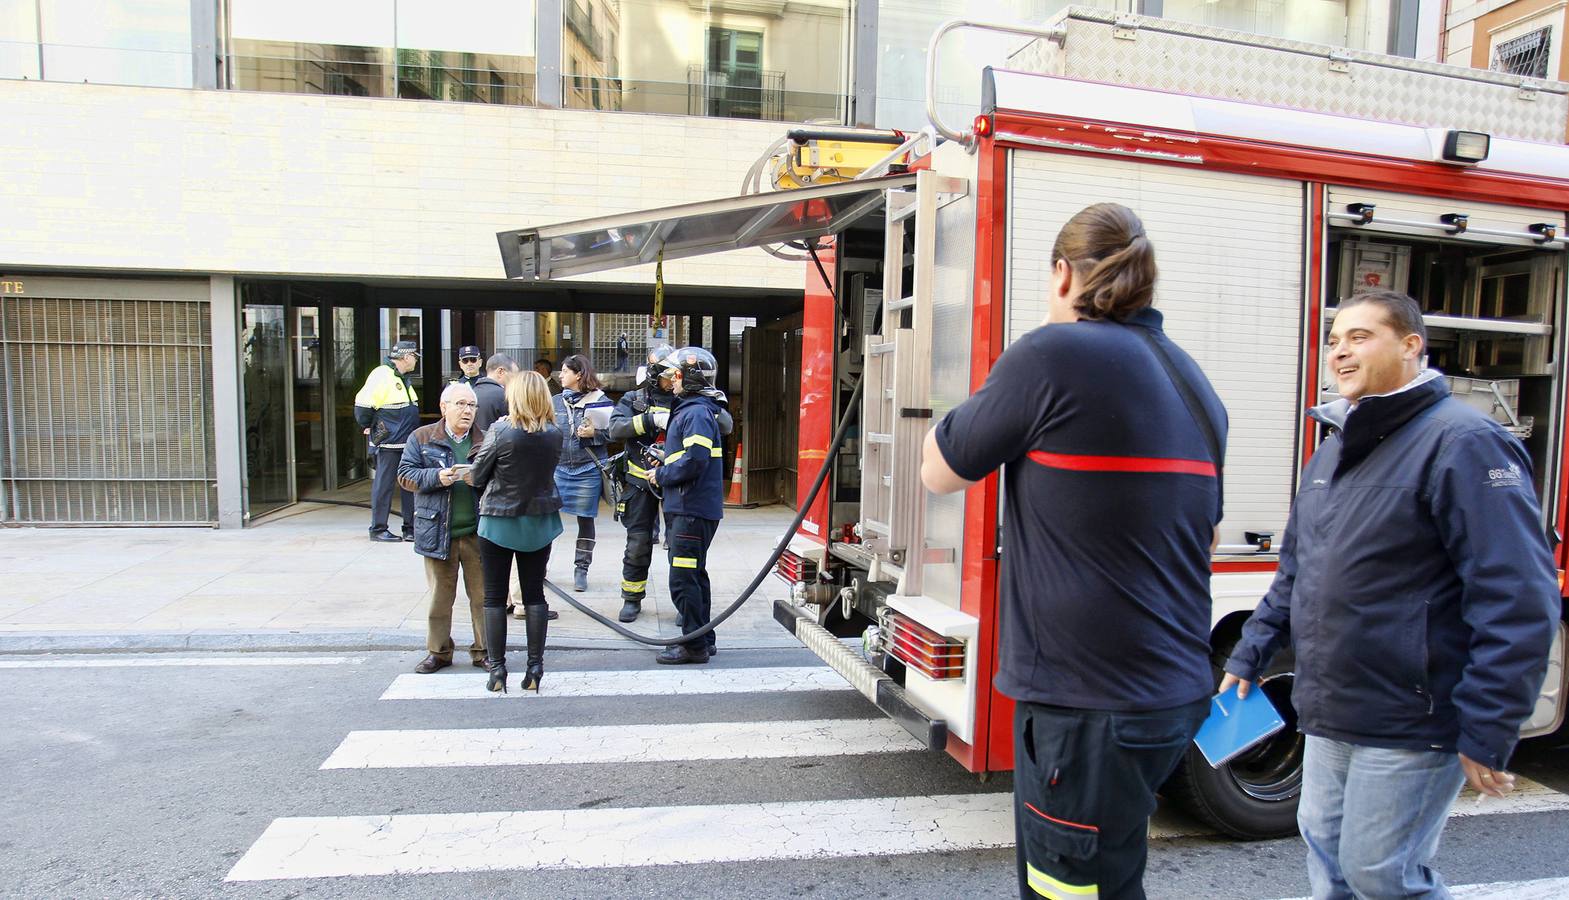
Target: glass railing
700, 99
412, 80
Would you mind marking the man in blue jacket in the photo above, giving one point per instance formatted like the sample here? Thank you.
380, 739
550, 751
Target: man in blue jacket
692, 479
1418, 592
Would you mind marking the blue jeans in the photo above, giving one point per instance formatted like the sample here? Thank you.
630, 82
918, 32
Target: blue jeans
1372, 817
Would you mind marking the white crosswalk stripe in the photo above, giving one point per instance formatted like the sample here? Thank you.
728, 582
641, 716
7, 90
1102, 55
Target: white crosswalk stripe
618, 743
657, 683
523, 839
603, 838
1540, 889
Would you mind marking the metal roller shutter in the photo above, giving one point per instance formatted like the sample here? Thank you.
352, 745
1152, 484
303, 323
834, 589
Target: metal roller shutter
1230, 251
109, 411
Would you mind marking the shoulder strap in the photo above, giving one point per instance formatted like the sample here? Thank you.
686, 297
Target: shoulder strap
1195, 408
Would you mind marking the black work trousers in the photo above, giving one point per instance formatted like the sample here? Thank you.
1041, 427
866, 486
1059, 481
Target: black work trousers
639, 512
1083, 792
382, 486
496, 562
690, 538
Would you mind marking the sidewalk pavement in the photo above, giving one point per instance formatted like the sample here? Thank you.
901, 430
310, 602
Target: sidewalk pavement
308, 578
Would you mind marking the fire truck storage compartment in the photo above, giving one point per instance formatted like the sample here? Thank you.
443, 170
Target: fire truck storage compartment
1229, 248
1490, 296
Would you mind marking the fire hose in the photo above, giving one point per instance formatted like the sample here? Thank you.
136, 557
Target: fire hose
834, 444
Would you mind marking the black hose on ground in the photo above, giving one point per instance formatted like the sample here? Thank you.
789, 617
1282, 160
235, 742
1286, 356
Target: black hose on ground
853, 407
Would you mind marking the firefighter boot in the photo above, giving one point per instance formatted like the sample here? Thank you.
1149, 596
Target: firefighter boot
634, 574
536, 623
585, 555
496, 648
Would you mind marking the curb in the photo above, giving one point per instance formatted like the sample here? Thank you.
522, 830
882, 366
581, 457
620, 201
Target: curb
314, 641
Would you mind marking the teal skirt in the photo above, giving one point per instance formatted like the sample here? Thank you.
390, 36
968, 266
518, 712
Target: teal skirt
524, 533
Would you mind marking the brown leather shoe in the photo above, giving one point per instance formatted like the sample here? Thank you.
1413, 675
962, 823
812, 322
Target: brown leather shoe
431, 664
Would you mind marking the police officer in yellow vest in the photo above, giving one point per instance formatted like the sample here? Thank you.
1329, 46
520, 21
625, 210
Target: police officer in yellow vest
388, 409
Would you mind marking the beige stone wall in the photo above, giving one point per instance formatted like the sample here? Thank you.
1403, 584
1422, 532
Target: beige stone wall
248, 183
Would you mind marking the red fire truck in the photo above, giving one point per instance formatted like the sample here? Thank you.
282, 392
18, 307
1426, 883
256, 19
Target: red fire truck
1273, 178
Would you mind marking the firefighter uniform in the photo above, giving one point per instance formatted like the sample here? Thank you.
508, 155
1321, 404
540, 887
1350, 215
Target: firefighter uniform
389, 407
692, 479
636, 421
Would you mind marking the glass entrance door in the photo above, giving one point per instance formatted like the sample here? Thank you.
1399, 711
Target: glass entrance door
346, 374
264, 354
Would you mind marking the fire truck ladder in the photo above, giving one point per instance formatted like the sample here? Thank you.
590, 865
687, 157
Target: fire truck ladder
896, 408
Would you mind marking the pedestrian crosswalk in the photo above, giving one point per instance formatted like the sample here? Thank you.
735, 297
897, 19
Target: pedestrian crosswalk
388, 840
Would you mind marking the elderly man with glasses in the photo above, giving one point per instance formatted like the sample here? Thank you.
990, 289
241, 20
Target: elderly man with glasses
446, 521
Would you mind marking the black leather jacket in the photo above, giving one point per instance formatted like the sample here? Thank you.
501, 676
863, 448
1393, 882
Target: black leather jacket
515, 471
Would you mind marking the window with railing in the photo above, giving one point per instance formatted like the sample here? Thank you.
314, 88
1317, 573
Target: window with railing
475, 51
727, 58
143, 43
1526, 55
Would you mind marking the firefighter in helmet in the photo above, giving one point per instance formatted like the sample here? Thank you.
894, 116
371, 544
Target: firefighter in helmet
639, 421
691, 477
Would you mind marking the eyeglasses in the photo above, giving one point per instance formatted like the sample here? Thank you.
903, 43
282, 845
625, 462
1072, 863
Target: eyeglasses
468, 359
465, 404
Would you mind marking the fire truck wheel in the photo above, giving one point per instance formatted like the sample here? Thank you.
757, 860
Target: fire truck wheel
1253, 797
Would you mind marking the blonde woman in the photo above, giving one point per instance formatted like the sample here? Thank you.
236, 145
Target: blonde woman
519, 515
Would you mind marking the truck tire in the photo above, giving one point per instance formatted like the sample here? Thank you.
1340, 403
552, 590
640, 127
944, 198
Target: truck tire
1253, 797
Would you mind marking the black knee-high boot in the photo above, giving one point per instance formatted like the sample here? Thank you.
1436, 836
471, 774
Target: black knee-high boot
496, 647
536, 623
585, 555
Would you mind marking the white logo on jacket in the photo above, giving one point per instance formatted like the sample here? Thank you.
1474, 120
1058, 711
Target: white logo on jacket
1507, 476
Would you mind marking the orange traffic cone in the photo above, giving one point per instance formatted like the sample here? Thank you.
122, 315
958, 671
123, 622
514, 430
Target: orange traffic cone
737, 489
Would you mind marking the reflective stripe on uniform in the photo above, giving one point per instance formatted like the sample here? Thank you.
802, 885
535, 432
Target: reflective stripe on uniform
637, 425
637, 471
684, 562
697, 439
1047, 886
674, 456
717, 453
385, 389
634, 587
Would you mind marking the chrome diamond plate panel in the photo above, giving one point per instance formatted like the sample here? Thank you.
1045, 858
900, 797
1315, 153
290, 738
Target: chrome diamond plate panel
1212, 62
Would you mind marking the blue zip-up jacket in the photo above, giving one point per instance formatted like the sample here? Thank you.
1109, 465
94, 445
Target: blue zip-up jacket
692, 477
1415, 582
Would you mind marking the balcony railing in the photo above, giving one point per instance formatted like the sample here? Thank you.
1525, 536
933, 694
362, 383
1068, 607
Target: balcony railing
735, 93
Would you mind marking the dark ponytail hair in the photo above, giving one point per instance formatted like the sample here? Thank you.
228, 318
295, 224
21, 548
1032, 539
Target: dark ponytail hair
1112, 260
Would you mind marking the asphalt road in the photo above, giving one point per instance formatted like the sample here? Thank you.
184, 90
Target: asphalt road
129, 779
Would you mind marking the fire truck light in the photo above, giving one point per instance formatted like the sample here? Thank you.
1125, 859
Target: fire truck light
983, 126
1469, 147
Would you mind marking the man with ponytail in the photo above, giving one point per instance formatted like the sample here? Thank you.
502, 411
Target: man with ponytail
1104, 618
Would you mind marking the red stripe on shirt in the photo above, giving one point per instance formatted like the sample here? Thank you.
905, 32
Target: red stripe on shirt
1122, 463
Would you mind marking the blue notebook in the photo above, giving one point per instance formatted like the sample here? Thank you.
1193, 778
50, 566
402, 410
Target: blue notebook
1235, 725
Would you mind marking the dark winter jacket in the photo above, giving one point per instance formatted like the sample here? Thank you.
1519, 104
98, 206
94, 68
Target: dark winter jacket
491, 395
692, 477
426, 453
1415, 582
515, 471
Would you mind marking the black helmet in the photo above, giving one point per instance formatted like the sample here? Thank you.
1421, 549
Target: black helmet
697, 366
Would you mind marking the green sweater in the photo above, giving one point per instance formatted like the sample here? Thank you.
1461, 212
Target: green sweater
464, 517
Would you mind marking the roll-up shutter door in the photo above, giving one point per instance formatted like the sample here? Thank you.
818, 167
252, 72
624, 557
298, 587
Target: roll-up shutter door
108, 403
1230, 252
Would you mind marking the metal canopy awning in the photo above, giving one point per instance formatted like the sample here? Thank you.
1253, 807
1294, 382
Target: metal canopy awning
692, 229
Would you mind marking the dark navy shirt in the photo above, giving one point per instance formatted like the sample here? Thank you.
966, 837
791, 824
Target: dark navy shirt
1110, 504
